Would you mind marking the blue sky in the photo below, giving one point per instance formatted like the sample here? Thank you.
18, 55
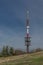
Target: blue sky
12, 23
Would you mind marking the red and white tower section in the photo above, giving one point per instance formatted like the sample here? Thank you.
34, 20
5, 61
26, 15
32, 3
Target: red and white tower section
27, 38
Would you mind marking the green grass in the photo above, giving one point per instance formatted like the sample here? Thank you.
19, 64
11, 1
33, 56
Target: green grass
30, 59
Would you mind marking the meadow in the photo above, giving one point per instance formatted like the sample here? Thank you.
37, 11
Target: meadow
26, 59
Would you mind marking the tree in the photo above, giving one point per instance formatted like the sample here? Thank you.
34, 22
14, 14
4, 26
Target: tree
7, 51
11, 51
3, 51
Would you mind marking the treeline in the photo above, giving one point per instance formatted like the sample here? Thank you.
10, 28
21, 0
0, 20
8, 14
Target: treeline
10, 51
36, 50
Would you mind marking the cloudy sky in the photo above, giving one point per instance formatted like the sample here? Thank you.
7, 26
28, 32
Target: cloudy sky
12, 22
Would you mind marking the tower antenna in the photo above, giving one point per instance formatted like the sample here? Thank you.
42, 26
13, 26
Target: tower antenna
27, 38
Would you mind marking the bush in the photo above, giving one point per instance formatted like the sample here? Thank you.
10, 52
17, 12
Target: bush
18, 52
38, 49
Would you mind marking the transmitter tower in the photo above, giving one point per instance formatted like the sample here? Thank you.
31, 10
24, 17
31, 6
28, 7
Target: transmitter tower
27, 37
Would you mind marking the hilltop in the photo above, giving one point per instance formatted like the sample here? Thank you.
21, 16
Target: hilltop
25, 59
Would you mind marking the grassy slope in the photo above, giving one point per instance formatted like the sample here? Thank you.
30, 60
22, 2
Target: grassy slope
27, 59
